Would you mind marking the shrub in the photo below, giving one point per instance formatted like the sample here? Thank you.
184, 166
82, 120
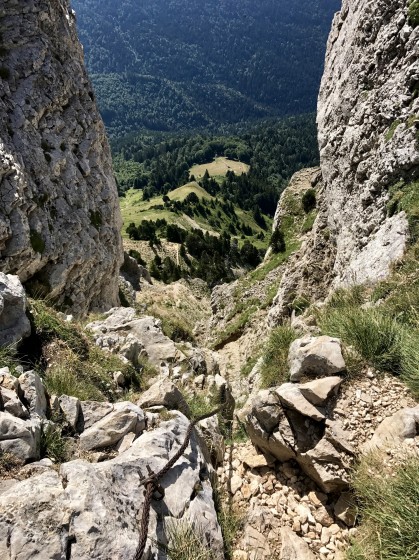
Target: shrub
274, 370
309, 200
37, 243
278, 241
389, 507
413, 12
53, 444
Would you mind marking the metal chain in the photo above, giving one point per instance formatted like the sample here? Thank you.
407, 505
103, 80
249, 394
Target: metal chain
152, 482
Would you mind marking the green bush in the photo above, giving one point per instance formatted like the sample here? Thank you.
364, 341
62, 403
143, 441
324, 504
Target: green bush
37, 243
389, 508
274, 370
309, 200
413, 12
278, 241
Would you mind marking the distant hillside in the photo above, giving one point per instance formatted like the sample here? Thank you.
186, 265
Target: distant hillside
197, 233
181, 64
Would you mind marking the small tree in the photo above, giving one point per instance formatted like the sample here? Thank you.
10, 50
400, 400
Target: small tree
309, 200
278, 241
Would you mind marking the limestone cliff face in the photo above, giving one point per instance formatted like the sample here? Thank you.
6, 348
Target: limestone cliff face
59, 213
368, 120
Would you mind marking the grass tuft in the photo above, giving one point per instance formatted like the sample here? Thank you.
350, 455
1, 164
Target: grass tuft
274, 370
187, 541
389, 508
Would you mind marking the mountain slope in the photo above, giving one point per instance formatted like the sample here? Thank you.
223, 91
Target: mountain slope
172, 64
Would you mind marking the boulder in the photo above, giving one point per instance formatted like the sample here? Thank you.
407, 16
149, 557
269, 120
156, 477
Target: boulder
33, 393
20, 438
319, 390
394, 430
12, 403
291, 397
108, 431
310, 355
294, 547
345, 509
144, 334
7, 380
93, 411
210, 429
14, 324
164, 393
284, 425
70, 407
92, 510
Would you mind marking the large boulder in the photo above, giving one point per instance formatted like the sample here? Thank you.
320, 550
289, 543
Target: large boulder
33, 393
164, 393
310, 355
14, 324
21, 438
107, 432
122, 332
395, 430
284, 425
93, 510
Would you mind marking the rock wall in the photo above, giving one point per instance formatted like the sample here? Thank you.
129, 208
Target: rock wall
59, 213
368, 121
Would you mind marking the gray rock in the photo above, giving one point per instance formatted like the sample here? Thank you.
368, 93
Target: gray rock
164, 393
33, 392
393, 431
294, 547
345, 509
319, 390
7, 380
315, 355
108, 431
83, 499
20, 438
71, 409
92, 412
12, 403
143, 334
59, 217
210, 429
14, 324
291, 397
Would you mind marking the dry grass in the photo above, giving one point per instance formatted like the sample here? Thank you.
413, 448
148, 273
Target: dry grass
219, 168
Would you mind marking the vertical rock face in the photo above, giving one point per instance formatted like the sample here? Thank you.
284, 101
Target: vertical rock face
368, 119
59, 213
368, 122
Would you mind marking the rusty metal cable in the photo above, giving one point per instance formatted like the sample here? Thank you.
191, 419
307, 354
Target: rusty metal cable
152, 482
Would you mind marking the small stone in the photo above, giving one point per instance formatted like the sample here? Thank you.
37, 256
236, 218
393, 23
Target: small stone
236, 483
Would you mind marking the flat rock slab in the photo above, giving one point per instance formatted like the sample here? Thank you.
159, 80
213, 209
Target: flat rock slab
294, 547
319, 390
291, 397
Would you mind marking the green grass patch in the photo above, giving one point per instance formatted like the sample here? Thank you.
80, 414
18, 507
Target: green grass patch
235, 329
274, 369
413, 12
309, 222
389, 508
187, 541
53, 444
37, 242
392, 129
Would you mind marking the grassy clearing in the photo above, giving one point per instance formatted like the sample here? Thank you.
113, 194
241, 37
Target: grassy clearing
219, 168
234, 330
389, 509
274, 369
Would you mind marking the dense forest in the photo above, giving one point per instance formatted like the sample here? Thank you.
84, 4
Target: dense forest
159, 163
187, 64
